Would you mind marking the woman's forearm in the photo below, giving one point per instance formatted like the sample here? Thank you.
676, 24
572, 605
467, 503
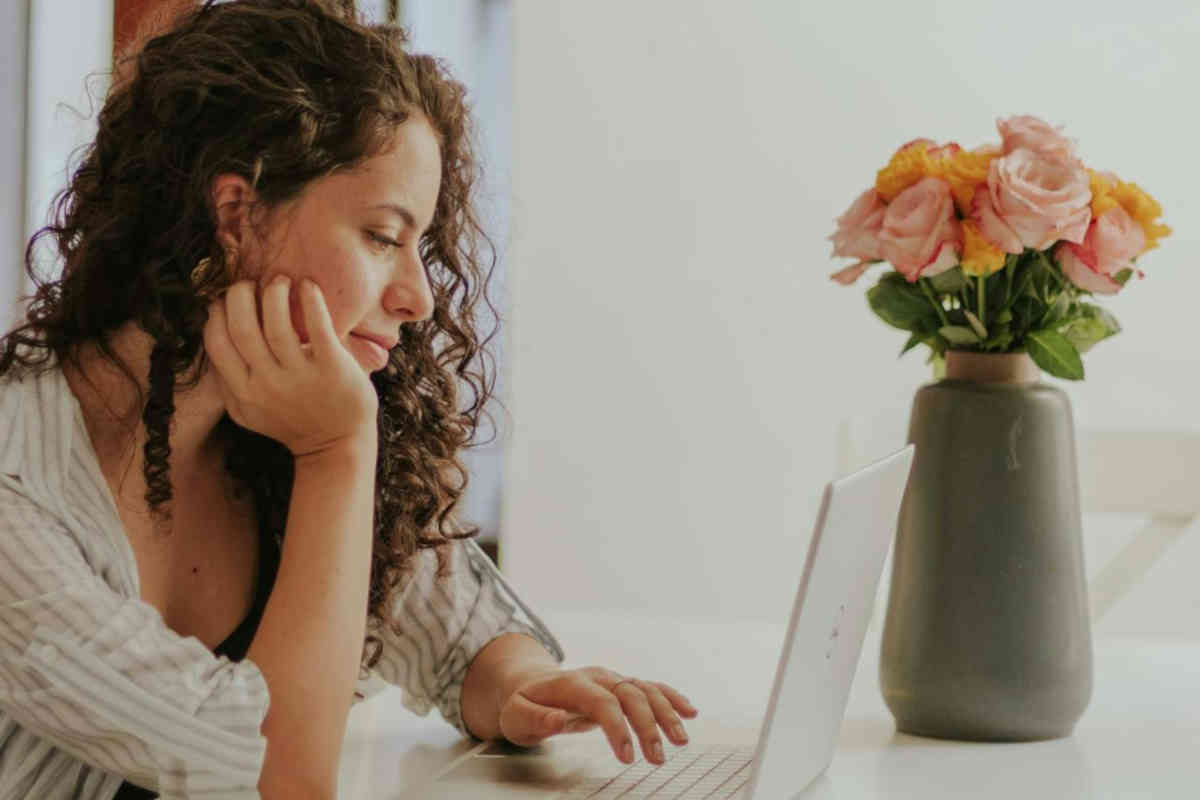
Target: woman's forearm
309, 642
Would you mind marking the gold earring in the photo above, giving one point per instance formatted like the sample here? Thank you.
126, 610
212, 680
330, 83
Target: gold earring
200, 271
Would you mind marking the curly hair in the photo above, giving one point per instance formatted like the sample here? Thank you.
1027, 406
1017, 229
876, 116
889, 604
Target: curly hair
281, 92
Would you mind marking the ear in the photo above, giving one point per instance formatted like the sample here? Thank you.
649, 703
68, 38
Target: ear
232, 198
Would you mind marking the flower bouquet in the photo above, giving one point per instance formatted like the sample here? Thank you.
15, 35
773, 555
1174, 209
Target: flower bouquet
999, 249
996, 254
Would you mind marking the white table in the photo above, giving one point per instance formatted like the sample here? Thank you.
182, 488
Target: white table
1139, 738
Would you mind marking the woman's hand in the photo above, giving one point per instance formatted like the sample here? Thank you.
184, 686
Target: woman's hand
307, 397
553, 701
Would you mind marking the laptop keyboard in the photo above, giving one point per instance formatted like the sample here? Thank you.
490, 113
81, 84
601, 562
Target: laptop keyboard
708, 774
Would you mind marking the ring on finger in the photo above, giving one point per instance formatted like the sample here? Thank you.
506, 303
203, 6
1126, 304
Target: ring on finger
632, 681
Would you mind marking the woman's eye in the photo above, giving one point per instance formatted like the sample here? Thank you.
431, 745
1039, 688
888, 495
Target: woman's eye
381, 242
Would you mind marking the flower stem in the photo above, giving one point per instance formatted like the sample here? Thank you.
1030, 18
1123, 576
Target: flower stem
982, 305
1010, 269
1050, 268
937, 306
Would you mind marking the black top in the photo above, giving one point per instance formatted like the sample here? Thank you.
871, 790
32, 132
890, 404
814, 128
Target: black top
238, 642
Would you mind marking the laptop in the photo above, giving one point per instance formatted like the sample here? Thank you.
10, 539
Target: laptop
795, 741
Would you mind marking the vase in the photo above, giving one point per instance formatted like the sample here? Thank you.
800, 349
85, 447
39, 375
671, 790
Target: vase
987, 635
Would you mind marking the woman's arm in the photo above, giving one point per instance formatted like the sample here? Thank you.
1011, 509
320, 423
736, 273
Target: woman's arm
320, 404
437, 624
495, 673
309, 642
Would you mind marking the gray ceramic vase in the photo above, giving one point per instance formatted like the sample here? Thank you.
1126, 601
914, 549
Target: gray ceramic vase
988, 636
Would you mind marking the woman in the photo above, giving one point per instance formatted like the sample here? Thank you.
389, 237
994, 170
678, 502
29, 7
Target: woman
233, 423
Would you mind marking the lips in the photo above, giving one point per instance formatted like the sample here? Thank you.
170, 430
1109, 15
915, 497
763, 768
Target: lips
370, 350
386, 342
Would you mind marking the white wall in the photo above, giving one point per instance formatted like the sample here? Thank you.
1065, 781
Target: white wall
14, 23
680, 360
475, 39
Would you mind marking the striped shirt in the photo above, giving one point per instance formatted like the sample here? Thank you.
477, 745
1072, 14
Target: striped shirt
96, 689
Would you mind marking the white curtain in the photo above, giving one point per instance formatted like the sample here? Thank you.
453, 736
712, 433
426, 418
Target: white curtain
14, 27
57, 76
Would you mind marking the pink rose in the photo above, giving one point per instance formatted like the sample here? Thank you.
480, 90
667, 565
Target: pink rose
857, 235
921, 235
1113, 240
1033, 134
1033, 201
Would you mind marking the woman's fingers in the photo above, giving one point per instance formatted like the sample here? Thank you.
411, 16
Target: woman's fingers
272, 385
677, 700
637, 708
241, 307
664, 713
280, 334
525, 723
221, 351
316, 318
574, 692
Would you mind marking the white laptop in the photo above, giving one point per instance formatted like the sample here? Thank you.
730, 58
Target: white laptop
796, 739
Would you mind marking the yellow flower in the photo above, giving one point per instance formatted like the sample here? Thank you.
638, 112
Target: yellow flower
1141, 207
980, 257
966, 171
908, 166
1102, 199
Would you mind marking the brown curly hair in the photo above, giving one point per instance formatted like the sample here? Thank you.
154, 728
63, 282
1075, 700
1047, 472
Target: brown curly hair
280, 92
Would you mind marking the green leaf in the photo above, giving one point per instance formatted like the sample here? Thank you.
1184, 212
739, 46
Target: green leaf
1084, 333
1055, 354
939, 366
912, 342
1123, 276
1024, 283
958, 334
1057, 311
949, 282
1093, 325
1003, 317
976, 325
1000, 340
1098, 313
1025, 310
898, 303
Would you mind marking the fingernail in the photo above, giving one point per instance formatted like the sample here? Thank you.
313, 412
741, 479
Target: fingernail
678, 732
627, 752
656, 750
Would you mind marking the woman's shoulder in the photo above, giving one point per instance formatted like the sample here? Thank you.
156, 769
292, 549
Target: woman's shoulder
44, 479
33, 405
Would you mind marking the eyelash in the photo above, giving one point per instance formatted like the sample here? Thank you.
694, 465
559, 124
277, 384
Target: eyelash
382, 242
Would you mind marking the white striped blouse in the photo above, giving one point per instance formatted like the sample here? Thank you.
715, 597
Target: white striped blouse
96, 689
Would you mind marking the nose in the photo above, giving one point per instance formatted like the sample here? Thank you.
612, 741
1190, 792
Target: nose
409, 295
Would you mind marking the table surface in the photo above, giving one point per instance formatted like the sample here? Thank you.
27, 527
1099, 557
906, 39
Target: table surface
1139, 737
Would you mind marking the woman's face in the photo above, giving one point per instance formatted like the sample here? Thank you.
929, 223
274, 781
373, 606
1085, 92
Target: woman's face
355, 234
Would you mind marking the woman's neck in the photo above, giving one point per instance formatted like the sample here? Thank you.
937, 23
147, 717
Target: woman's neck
113, 418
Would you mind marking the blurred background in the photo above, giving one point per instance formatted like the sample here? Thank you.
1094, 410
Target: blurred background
679, 372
